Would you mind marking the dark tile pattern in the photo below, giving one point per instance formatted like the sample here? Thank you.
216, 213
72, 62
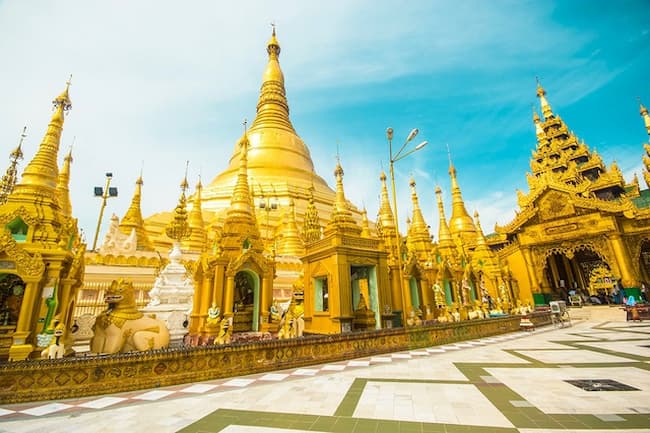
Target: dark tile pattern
601, 385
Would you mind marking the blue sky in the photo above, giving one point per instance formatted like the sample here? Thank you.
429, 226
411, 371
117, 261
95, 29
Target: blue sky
162, 82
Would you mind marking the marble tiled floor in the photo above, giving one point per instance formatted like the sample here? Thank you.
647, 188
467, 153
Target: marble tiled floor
510, 383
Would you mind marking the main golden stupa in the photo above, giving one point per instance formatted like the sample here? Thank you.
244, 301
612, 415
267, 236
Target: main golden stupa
280, 167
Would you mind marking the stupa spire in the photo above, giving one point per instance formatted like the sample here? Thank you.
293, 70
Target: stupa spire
311, 230
418, 225
241, 200
460, 223
11, 176
132, 219
385, 211
546, 107
444, 235
198, 237
341, 218
365, 224
291, 244
178, 229
272, 105
63, 186
42, 172
481, 242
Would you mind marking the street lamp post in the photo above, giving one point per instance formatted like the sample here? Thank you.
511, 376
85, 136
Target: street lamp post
105, 193
400, 154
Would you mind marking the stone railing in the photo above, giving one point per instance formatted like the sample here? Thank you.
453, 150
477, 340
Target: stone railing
83, 376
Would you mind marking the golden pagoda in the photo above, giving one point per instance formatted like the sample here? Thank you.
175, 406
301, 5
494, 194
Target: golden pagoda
279, 164
40, 250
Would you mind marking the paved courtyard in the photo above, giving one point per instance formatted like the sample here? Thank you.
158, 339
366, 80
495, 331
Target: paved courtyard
591, 377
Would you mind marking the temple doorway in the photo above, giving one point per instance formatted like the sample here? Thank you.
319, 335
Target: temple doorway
363, 280
450, 294
12, 289
246, 302
564, 274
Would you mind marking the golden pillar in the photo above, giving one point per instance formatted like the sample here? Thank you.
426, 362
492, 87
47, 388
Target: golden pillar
552, 261
406, 294
20, 347
628, 277
530, 271
396, 289
267, 297
569, 272
229, 296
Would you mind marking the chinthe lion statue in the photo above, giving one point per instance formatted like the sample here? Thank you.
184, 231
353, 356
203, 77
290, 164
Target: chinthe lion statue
122, 328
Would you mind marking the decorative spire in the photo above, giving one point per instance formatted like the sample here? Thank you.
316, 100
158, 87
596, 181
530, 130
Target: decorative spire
646, 118
291, 244
198, 238
179, 229
311, 229
241, 202
63, 186
418, 226
272, 106
42, 172
365, 225
444, 235
461, 224
11, 176
385, 211
341, 218
132, 219
646, 164
539, 131
541, 94
481, 242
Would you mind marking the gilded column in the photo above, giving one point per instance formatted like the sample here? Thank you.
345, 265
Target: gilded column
396, 289
530, 270
229, 296
552, 260
20, 348
267, 295
628, 277
406, 295
569, 272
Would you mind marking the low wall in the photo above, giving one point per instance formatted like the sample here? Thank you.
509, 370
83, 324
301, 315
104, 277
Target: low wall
33, 380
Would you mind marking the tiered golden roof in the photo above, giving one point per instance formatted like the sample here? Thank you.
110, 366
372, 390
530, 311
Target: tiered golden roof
445, 241
564, 158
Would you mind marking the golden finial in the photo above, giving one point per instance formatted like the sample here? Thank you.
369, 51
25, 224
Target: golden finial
273, 47
541, 94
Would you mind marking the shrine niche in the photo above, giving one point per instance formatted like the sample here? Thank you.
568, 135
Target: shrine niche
246, 301
643, 259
